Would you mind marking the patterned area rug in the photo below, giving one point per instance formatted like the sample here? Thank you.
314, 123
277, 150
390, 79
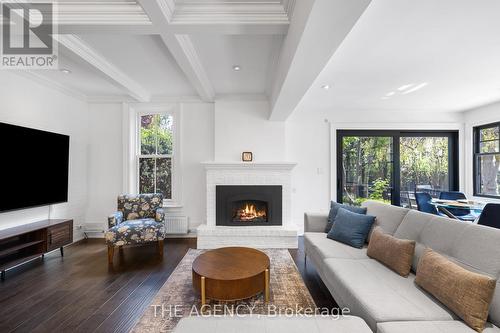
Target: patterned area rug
177, 299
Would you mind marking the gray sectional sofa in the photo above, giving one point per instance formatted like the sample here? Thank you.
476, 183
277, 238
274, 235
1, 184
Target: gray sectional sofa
386, 301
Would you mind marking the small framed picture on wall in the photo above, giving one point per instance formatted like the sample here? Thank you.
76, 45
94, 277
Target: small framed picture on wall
247, 156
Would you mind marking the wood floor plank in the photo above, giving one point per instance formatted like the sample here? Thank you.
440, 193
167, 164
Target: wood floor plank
80, 293
38, 290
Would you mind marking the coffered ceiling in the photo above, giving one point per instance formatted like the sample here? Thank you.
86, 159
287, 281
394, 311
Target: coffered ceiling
149, 49
155, 50
405, 55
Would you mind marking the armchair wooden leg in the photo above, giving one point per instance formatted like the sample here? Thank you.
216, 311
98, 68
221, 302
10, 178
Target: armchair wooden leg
160, 248
111, 252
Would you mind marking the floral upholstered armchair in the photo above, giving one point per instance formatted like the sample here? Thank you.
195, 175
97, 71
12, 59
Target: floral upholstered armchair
139, 219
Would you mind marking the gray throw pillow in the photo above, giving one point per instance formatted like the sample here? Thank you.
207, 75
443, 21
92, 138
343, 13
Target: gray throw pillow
334, 208
351, 228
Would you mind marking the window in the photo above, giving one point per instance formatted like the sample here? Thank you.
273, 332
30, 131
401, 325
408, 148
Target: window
487, 160
155, 154
389, 166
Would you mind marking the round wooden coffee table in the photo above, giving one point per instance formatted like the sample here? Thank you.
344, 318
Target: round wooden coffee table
231, 273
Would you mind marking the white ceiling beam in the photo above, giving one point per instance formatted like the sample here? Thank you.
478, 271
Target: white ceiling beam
187, 58
180, 46
114, 74
310, 29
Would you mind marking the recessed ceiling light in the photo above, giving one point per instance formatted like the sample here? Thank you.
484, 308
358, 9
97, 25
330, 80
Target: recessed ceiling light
325, 86
65, 71
415, 88
406, 86
236, 68
389, 94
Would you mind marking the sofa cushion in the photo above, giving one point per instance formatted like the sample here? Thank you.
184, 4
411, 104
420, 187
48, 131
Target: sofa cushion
334, 208
388, 217
135, 232
376, 294
466, 293
454, 326
397, 254
326, 248
278, 324
474, 247
351, 228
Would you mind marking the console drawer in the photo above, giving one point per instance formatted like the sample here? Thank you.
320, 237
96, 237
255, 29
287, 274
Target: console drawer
59, 235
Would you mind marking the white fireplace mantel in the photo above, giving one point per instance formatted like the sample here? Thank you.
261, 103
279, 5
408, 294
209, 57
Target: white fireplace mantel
248, 173
249, 165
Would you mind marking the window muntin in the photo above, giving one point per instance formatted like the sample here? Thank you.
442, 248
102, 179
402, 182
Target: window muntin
155, 154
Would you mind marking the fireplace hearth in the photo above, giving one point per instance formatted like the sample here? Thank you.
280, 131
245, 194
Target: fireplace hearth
243, 205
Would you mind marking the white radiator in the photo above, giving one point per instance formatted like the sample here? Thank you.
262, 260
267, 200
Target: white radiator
176, 225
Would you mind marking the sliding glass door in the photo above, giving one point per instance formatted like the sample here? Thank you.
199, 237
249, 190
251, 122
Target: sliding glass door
367, 168
390, 166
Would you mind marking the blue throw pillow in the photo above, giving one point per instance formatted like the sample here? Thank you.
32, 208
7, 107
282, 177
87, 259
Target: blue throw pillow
334, 208
351, 228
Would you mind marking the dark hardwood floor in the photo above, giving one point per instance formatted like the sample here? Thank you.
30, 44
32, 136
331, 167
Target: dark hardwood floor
79, 293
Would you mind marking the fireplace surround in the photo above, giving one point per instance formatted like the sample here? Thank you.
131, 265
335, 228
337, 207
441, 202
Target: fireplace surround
211, 234
248, 205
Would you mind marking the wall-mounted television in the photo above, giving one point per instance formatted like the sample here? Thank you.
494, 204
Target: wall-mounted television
33, 167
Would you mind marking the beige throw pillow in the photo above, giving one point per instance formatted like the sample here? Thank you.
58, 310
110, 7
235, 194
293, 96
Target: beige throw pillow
397, 254
466, 293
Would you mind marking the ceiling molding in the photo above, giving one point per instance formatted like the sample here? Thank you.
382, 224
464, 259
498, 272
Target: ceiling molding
46, 82
230, 12
101, 16
109, 99
99, 12
182, 49
167, 8
289, 6
241, 97
136, 17
231, 17
119, 78
155, 99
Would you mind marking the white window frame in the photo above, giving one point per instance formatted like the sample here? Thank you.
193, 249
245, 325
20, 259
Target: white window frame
132, 148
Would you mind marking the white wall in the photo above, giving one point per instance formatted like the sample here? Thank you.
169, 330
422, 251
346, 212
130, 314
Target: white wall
243, 125
480, 116
310, 136
27, 103
308, 144
197, 146
106, 162
105, 177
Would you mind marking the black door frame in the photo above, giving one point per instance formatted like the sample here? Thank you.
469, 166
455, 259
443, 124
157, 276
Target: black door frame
453, 163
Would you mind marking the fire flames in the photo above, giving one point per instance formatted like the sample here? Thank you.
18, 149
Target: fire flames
249, 213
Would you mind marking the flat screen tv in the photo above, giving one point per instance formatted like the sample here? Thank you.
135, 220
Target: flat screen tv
33, 167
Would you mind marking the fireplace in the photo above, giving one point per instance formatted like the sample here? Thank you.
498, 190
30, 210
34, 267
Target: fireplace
243, 205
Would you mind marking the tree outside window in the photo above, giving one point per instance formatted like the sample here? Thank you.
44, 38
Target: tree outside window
155, 157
